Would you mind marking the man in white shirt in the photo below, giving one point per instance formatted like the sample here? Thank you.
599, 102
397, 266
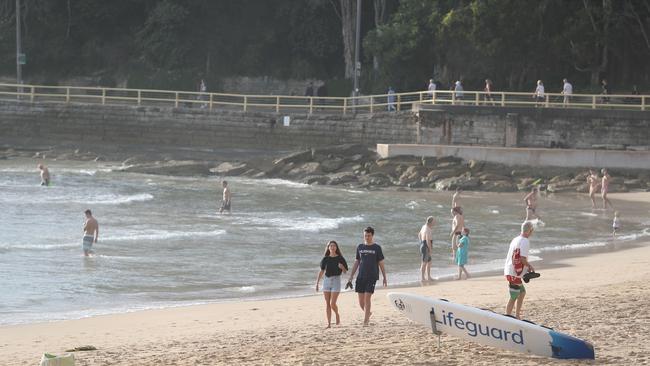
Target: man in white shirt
516, 266
539, 93
567, 90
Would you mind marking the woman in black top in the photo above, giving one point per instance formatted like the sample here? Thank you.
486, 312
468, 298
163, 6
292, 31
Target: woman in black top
332, 265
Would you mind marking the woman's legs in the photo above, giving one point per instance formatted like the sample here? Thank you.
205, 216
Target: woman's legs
335, 308
328, 308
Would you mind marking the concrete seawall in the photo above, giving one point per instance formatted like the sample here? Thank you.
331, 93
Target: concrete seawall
534, 157
426, 124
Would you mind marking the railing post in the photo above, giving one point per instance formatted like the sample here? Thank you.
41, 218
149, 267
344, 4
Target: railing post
371, 103
67, 95
548, 97
140, 97
421, 96
211, 95
176, 96
399, 102
311, 105
31, 94
277, 104
593, 102
345, 105
245, 102
477, 98
643, 103
453, 98
103, 96
503, 99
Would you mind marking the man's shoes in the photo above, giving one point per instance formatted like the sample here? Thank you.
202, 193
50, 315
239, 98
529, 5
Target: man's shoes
348, 285
530, 275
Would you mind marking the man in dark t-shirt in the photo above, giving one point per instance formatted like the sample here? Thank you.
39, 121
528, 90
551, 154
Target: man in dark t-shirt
369, 260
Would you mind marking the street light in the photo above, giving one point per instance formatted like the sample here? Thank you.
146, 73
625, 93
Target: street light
19, 54
357, 64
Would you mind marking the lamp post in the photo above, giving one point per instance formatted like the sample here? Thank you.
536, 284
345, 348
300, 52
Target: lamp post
357, 64
19, 73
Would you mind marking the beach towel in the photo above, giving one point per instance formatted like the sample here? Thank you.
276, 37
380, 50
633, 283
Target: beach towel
53, 360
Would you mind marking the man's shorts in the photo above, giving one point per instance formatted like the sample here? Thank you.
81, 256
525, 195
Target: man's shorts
362, 285
515, 290
87, 243
332, 284
424, 251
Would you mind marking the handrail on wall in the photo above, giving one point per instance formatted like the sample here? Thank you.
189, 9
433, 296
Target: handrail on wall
315, 104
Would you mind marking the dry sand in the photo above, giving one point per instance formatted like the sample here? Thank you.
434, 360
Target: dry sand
603, 298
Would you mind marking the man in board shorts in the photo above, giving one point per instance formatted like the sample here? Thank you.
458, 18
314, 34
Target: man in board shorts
426, 245
516, 266
91, 233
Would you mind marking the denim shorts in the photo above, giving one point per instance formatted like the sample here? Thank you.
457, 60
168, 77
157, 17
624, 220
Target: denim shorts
332, 284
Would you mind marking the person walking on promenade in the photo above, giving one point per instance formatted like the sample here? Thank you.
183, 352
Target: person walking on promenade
567, 90
369, 260
488, 92
458, 91
45, 175
516, 266
432, 91
592, 180
604, 188
426, 247
461, 255
202, 89
91, 233
332, 265
538, 95
391, 99
604, 90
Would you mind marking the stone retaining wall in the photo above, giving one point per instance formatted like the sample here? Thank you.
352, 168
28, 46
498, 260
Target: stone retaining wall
198, 128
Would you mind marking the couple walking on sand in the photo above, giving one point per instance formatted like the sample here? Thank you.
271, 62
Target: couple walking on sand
369, 260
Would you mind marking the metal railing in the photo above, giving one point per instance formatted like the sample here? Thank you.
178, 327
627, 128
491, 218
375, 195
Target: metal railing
305, 104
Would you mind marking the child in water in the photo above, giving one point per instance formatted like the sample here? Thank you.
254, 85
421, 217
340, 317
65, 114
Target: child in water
461, 253
616, 224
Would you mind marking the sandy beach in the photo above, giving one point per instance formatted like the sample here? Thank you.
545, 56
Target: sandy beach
603, 298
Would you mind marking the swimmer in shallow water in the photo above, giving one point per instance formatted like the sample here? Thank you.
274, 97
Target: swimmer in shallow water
45, 175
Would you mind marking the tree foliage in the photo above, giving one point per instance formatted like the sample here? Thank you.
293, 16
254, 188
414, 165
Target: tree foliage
173, 43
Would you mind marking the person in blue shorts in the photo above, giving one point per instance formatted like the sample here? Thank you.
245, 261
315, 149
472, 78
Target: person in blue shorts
369, 260
461, 253
332, 265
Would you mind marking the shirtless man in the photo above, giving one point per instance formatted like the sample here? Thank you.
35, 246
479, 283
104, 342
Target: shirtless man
604, 187
225, 203
531, 204
426, 246
91, 233
45, 175
592, 180
457, 226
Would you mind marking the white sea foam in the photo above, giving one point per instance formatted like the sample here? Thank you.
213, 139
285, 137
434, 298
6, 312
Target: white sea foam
115, 199
247, 289
282, 182
309, 224
412, 205
162, 235
495, 211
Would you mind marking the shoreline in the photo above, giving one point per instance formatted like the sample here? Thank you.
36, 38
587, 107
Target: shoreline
221, 332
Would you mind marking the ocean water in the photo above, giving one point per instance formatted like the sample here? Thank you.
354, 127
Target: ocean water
162, 242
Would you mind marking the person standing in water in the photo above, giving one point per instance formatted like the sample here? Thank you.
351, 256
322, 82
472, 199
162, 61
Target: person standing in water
461, 255
531, 204
225, 203
604, 188
592, 180
616, 224
91, 233
457, 225
426, 246
45, 175
332, 265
